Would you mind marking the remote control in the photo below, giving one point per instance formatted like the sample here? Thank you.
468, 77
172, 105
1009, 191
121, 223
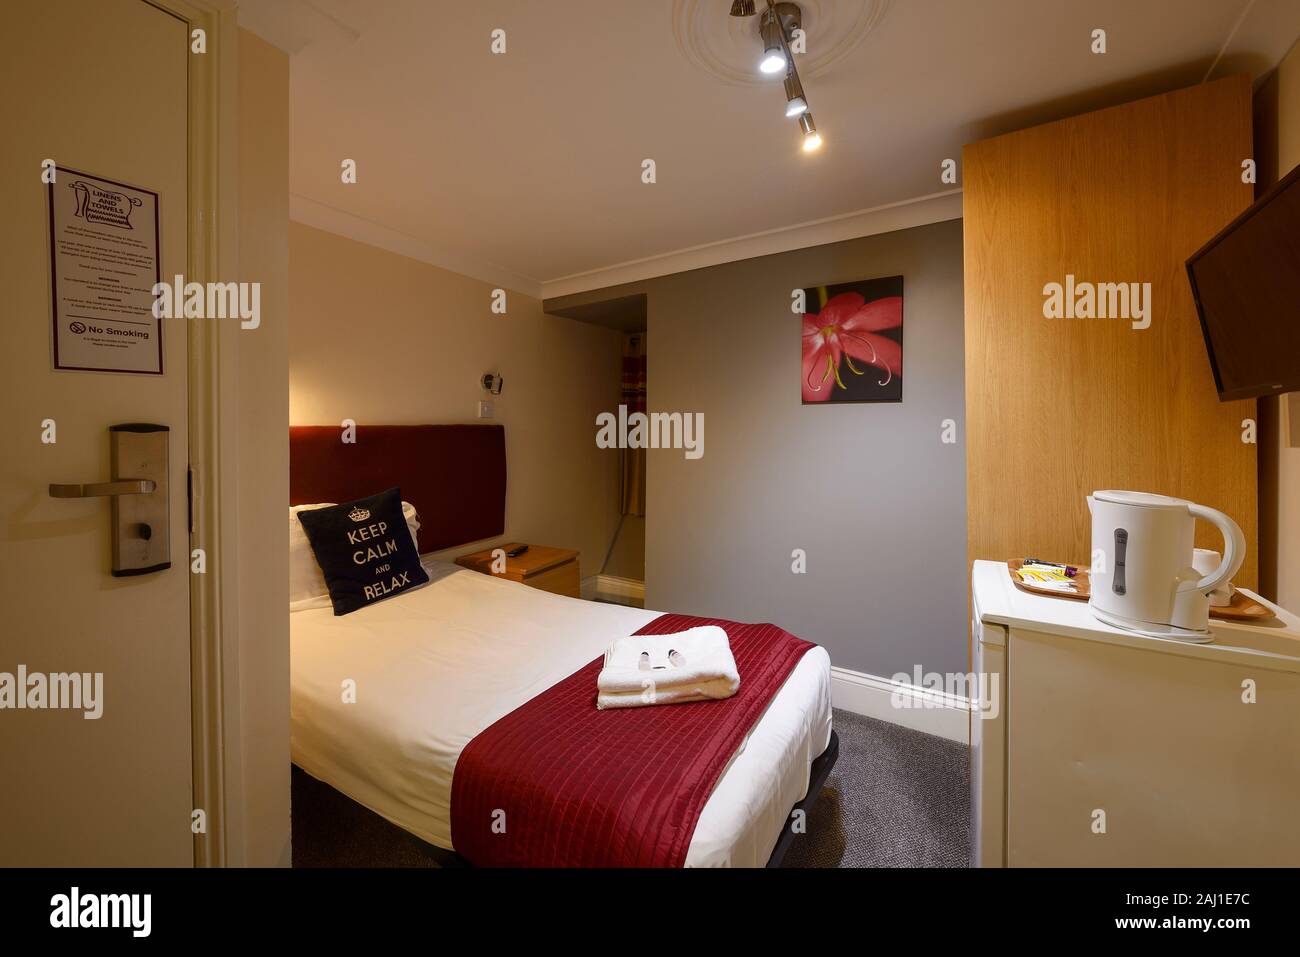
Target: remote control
516, 551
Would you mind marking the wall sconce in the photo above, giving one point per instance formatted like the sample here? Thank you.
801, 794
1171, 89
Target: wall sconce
493, 383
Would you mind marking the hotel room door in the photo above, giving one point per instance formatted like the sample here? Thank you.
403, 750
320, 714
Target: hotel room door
99, 87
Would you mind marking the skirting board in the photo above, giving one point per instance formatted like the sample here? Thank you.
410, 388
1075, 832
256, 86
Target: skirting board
611, 588
909, 705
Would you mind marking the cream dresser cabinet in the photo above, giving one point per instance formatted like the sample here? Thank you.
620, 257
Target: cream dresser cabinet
1100, 747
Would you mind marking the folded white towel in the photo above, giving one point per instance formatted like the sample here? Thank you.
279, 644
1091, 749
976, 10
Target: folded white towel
691, 665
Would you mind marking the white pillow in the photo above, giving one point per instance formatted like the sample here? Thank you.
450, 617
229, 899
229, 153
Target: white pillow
306, 581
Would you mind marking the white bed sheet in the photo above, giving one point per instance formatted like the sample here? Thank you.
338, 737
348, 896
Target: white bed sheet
437, 665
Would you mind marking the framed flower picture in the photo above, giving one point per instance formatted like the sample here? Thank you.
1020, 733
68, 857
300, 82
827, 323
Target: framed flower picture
853, 342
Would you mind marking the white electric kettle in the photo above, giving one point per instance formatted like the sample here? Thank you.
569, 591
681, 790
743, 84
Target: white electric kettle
1142, 577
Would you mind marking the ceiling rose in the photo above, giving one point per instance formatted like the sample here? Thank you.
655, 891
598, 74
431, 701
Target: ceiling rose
727, 47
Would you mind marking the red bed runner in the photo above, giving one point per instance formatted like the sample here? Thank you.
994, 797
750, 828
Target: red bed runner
558, 783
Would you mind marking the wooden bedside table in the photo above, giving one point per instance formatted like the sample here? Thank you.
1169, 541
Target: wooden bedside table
550, 569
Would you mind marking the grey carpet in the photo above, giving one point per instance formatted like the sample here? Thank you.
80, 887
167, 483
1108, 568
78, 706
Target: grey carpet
331, 830
896, 798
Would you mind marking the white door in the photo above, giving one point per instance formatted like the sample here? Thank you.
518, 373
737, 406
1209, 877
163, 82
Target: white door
99, 86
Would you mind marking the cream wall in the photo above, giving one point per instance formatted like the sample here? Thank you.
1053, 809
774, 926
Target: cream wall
383, 339
1288, 140
261, 835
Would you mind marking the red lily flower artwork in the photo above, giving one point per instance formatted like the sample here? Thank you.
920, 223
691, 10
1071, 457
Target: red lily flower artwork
853, 343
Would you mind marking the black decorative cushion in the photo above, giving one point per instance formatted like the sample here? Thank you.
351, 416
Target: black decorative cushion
364, 550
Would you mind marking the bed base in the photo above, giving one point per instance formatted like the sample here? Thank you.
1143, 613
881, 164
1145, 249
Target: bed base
818, 772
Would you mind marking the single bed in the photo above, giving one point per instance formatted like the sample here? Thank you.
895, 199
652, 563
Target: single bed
435, 667
432, 668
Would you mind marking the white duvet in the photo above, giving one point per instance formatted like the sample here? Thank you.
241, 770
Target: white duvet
384, 699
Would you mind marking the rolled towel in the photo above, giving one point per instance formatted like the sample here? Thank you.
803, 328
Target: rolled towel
691, 665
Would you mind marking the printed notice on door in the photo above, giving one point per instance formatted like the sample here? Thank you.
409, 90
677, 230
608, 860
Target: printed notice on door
104, 260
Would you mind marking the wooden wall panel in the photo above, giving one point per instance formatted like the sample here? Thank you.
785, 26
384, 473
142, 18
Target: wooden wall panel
1056, 408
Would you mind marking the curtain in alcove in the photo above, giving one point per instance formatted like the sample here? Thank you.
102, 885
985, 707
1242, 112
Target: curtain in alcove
634, 397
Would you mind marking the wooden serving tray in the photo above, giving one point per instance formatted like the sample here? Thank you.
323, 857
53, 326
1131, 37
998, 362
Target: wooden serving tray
1083, 589
1243, 608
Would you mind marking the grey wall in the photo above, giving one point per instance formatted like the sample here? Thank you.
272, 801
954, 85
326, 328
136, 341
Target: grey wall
867, 490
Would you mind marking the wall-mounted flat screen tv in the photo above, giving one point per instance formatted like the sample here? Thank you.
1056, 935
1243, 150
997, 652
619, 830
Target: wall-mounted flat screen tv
1246, 283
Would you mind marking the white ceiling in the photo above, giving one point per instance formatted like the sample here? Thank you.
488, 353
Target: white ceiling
525, 167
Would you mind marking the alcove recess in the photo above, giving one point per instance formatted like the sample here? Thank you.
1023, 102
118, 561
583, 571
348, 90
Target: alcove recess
625, 313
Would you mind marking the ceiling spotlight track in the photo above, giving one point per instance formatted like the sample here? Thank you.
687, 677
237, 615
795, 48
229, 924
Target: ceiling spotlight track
776, 28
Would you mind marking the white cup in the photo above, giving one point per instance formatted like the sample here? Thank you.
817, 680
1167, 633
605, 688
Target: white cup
1206, 560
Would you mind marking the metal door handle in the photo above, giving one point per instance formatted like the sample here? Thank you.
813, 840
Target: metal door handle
139, 503
95, 489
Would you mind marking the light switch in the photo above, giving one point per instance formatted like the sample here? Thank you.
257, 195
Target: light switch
485, 408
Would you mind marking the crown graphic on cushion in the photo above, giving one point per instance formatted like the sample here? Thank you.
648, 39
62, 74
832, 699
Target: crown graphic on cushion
359, 514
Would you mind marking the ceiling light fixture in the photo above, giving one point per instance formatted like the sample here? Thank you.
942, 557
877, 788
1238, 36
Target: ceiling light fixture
794, 98
811, 138
780, 23
742, 8
774, 60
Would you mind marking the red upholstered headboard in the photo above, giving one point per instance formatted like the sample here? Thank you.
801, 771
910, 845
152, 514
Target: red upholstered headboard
454, 475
